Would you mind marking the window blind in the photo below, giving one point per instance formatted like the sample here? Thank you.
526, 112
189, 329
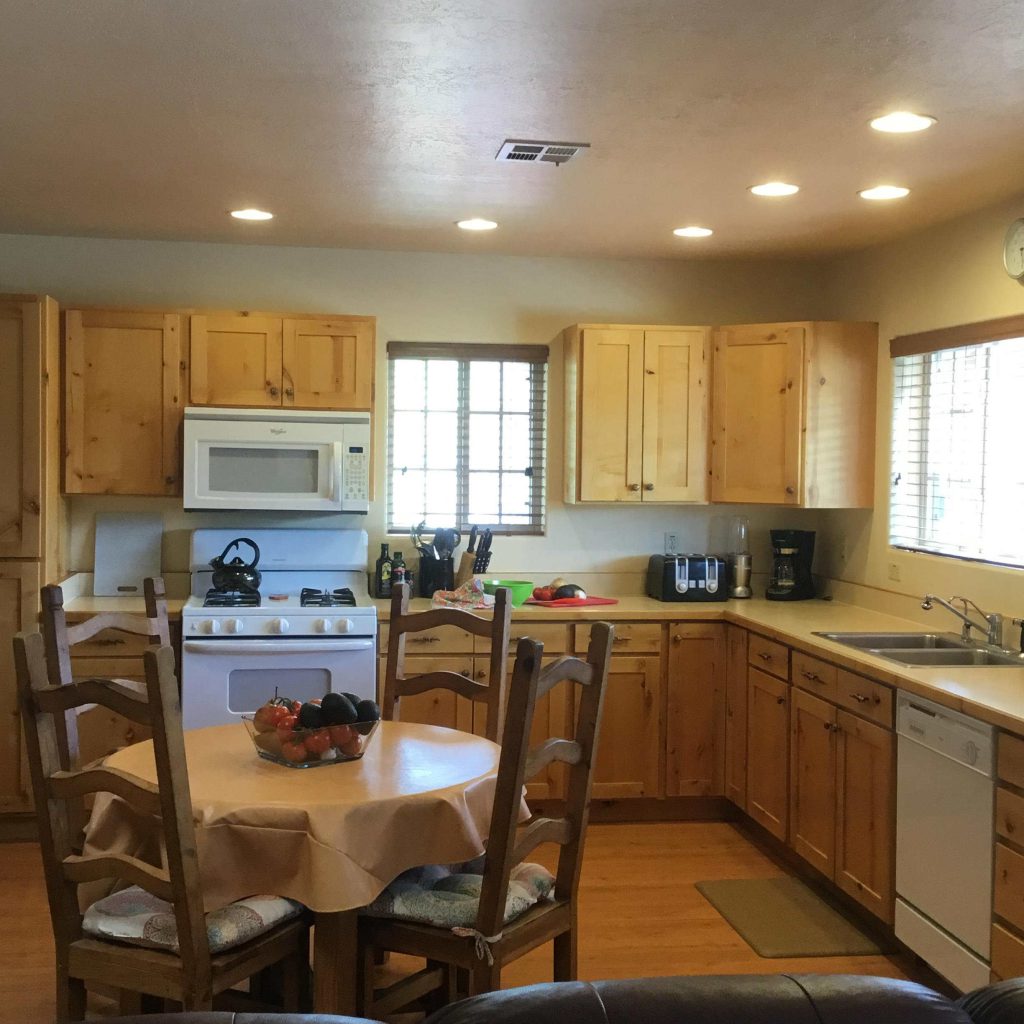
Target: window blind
957, 485
467, 436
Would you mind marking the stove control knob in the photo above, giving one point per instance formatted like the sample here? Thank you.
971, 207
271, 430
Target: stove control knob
322, 625
345, 626
233, 625
210, 626
279, 626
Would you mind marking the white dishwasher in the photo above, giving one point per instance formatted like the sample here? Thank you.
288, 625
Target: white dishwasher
944, 813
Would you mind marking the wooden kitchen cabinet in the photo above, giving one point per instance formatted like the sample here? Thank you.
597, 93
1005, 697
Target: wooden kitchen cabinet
768, 751
736, 715
267, 360
865, 812
435, 707
793, 414
123, 407
812, 774
695, 751
636, 413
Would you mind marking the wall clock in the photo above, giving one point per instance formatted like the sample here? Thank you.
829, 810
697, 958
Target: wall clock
1013, 249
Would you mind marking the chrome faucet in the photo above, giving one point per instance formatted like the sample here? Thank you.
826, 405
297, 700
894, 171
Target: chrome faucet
993, 622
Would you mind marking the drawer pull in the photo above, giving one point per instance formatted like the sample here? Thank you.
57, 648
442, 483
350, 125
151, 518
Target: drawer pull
620, 640
764, 656
780, 700
110, 641
860, 698
812, 676
1010, 828
424, 639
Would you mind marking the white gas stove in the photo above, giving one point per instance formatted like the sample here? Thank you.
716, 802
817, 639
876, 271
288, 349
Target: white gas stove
309, 629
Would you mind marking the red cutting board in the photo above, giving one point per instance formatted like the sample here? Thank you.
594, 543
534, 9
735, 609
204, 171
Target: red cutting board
572, 602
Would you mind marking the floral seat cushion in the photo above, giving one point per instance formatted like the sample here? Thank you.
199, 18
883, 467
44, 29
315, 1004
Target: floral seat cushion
137, 917
448, 895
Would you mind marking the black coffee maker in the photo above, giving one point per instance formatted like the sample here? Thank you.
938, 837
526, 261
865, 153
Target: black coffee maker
792, 555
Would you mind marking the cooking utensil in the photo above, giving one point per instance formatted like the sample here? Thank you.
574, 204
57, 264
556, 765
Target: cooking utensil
237, 575
472, 540
483, 553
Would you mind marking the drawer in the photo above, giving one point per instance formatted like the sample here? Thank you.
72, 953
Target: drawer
1007, 953
1011, 759
866, 697
112, 643
1009, 886
553, 635
1010, 816
109, 668
768, 656
630, 638
814, 676
440, 640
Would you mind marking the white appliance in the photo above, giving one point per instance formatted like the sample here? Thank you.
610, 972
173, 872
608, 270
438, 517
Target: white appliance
311, 628
944, 814
277, 459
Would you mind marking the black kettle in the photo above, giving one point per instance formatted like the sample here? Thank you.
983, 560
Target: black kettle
237, 575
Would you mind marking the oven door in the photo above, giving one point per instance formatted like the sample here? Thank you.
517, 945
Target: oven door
221, 680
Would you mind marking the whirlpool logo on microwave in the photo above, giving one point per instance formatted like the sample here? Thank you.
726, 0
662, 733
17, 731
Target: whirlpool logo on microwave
278, 430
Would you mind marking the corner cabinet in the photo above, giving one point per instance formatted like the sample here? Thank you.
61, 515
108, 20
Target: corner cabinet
636, 413
793, 414
263, 360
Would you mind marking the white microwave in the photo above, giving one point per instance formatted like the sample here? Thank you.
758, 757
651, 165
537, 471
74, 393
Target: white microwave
285, 460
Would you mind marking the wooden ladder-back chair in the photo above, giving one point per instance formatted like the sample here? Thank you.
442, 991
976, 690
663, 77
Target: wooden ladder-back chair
478, 957
490, 693
191, 976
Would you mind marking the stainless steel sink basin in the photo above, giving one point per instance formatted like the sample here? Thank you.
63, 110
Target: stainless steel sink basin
924, 649
898, 641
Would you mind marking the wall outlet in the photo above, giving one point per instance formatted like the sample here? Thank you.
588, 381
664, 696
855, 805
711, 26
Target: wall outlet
671, 544
894, 571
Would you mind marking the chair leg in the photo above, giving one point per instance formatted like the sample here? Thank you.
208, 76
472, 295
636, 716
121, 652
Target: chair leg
565, 966
296, 995
445, 993
71, 997
366, 960
483, 978
195, 1002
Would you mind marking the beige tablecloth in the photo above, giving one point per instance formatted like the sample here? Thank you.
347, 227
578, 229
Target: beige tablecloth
331, 837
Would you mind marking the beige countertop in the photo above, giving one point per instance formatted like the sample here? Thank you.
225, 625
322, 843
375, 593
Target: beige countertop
79, 608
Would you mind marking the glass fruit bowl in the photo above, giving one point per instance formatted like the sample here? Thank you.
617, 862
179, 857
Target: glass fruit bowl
311, 748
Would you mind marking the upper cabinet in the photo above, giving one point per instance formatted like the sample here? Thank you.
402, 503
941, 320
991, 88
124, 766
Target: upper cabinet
123, 386
636, 413
272, 361
793, 414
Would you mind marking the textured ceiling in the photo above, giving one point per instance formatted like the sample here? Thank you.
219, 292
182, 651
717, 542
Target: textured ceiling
369, 123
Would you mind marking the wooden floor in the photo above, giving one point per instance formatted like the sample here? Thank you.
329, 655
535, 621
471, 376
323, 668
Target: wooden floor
640, 915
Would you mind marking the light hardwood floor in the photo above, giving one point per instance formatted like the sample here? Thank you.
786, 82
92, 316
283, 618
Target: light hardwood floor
640, 915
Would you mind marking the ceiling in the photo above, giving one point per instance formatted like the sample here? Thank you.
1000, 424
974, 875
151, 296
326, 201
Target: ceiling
374, 123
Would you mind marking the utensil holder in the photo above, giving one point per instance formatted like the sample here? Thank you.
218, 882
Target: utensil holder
436, 574
481, 562
465, 571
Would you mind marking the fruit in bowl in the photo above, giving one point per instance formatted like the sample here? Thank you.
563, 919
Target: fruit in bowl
317, 732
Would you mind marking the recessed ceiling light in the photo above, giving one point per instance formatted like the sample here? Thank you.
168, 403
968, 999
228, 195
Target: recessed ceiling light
477, 224
252, 214
884, 192
692, 232
902, 121
775, 188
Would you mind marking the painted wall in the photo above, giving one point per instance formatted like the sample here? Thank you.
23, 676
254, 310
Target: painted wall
949, 274
435, 297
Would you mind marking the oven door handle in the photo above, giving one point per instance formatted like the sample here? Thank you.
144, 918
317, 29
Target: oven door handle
276, 646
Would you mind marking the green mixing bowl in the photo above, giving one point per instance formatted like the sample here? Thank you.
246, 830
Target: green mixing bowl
520, 589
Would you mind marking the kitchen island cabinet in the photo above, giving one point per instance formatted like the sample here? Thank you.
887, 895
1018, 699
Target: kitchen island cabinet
636, 413
793, 414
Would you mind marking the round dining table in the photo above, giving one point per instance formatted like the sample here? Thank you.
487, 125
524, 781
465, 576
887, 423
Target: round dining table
331, 836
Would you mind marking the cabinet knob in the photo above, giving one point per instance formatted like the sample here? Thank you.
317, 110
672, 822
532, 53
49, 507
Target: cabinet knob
780, 700
648, 487
634, 487
791, 490
677, 639
289, 392
168, 480
273, 391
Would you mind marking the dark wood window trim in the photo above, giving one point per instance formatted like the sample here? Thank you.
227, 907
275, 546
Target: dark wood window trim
957, 336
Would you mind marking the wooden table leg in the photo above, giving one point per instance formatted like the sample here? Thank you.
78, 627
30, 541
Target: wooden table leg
334, 962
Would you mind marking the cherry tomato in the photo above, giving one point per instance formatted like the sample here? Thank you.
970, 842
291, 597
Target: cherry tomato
318, 741
267, 717
293, 750
352, 746
286, 726
340, 734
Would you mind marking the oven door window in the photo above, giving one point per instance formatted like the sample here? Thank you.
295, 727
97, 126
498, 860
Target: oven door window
248, 688
244, 470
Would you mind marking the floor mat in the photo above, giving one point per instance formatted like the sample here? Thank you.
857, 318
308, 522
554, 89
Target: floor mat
781, 917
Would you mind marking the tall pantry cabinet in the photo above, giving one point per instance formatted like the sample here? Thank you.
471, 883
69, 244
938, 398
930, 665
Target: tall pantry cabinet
31, 507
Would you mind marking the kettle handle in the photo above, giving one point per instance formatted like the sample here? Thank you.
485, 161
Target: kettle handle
243, 540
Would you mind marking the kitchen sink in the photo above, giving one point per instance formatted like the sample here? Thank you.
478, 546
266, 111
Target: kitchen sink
939, 649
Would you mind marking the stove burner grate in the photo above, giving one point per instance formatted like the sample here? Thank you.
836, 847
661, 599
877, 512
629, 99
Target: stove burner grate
341, 597
231, 599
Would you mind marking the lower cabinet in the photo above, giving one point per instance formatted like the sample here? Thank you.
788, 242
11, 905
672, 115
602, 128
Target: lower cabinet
768, 751
1008, 903
736, 715
812, 775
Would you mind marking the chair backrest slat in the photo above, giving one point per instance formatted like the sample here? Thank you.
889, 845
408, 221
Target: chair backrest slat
562, 751
142, 796
78, 868
109, 693
491, 693
539, 831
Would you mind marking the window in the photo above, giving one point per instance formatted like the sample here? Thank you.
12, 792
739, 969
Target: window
466, 436
957, 485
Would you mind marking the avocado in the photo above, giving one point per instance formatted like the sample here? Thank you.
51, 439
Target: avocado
569, 590
311, 716
338, 710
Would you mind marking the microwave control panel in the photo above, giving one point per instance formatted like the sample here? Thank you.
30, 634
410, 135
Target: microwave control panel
357, 473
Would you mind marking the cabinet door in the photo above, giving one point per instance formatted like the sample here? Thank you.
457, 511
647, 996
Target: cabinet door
696, 710
768, 751
328, 364
675, 415
21, 424
611, 414
19, 610
122, 402
628, 743
812, 781
736, 715
435, 707
865, 826
757, 413
235, 360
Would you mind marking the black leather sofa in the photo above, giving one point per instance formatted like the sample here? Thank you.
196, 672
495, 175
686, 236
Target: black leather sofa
719, 999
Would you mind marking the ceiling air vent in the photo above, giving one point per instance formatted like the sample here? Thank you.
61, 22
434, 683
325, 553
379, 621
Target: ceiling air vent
532, 151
